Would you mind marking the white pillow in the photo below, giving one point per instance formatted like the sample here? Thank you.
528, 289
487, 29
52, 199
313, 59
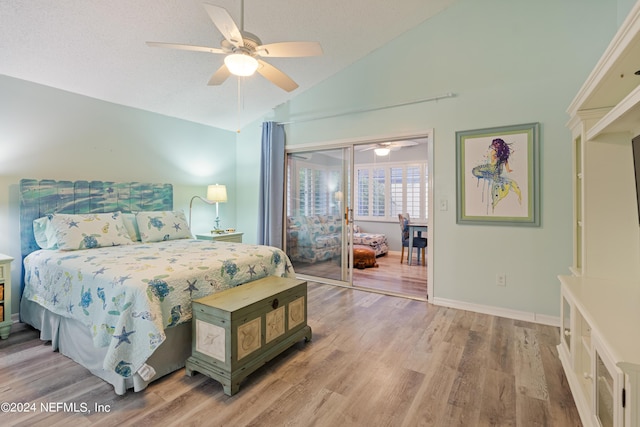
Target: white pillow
131, 225
44, 233
163, 225
87, 231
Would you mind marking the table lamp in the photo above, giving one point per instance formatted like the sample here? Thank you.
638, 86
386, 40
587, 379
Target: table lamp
216, 193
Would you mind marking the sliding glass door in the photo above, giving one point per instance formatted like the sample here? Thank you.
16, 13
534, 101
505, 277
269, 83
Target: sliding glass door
369, 182
318, 214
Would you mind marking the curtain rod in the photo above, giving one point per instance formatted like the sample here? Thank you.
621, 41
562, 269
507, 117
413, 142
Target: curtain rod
366, 110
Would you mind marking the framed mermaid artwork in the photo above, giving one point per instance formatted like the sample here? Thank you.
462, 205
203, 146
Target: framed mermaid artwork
497, 175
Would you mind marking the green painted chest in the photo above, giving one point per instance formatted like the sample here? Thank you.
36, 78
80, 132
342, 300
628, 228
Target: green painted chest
238, 330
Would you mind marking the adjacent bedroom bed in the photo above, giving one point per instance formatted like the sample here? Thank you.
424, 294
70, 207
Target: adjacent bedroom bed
110, 270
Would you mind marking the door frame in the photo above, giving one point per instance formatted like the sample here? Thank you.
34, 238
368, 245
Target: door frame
352, 142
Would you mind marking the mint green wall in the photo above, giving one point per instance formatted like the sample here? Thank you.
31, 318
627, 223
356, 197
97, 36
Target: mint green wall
624, 7
247, 180
47, 133
508, 62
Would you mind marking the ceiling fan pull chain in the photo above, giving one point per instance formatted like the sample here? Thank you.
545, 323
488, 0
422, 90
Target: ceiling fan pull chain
239, 97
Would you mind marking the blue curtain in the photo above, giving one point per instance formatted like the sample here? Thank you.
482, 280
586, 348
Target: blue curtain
271, 202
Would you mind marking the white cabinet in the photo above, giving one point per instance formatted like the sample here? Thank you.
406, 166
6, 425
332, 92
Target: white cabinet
600, 348
600, 302
5, 296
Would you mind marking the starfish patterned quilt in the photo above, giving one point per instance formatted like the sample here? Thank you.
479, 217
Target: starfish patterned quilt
128, 295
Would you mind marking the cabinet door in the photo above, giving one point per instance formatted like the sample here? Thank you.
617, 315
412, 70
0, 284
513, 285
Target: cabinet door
583, 353
566, 323
578, 231
608, 388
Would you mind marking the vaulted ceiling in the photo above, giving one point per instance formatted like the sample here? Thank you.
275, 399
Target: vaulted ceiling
97, 48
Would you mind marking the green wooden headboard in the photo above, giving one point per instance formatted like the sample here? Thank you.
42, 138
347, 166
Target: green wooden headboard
42, 197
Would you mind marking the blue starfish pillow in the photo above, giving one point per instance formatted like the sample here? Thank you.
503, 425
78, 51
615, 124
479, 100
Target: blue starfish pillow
162, 225
88, 231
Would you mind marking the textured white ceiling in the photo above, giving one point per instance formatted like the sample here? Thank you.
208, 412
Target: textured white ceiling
97, 48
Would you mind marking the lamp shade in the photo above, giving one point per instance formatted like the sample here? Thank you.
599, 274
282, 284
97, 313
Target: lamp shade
217, 193
240, 64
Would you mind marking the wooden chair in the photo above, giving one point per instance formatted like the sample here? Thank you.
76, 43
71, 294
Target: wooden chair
418, 242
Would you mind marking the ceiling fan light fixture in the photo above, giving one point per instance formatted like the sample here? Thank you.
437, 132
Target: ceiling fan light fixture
381, 151
241, 64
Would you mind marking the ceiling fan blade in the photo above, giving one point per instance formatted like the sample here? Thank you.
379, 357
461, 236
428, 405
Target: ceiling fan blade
364, 148
408, 143
225, 24
186, 47
219, 76
276, 76
289, 49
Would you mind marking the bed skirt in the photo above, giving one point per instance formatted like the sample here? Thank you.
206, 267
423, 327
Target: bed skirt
74, 340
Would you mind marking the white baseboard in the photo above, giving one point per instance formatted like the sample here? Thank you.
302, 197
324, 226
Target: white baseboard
498, 311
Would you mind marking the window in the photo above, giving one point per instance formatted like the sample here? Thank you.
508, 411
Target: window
362, 192
378, 193
311, 189
384, 191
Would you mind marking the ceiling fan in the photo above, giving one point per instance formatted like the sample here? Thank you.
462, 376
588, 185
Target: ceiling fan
244, 50
383, 148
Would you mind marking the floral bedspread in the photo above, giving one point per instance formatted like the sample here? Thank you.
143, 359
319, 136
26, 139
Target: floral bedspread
128, 295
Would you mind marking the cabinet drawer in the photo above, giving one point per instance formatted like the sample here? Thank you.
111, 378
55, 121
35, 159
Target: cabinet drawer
2, 273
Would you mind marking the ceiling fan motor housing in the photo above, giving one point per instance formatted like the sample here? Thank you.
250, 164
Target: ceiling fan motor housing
250, 41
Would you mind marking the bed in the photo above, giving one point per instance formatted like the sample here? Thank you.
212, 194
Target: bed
376, 241
119, 306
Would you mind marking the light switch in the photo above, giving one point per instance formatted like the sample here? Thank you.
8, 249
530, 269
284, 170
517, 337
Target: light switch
444, 205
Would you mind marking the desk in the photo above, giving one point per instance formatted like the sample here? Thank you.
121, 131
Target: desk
413, 229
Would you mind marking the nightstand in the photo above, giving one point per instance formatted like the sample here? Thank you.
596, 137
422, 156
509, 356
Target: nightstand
235, 237
5, 296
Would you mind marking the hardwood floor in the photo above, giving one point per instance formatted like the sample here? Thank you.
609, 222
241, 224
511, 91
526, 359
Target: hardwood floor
374, 360
390, 276
394, 277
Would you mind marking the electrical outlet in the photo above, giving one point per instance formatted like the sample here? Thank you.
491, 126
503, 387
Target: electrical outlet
501, 279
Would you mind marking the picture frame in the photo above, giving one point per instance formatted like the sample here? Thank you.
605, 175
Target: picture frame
497, 178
